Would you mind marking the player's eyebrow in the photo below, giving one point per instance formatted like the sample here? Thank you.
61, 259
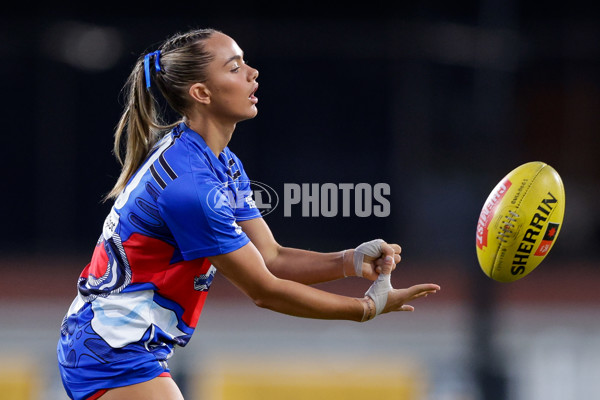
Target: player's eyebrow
232, 58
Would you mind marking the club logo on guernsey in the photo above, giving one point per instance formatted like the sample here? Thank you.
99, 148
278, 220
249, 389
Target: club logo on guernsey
110, 223
202, 282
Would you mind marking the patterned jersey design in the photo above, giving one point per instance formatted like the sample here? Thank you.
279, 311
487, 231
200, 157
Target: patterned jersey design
144, 289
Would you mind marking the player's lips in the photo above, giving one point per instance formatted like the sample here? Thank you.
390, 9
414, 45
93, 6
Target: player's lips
252, 97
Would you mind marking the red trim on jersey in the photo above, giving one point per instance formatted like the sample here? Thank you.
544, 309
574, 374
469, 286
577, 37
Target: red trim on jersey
150, 261
97, 394
150, 258
99, 263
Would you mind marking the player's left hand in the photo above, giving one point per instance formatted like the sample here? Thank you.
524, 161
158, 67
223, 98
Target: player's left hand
397, 298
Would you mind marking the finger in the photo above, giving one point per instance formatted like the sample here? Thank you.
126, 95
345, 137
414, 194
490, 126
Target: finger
424, 287
407, 307
419, 295
388, 265
387, 250
379, 269
397, 249
395, 254
381, 261
416, 291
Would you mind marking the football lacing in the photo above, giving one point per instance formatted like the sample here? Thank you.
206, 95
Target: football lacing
507, 227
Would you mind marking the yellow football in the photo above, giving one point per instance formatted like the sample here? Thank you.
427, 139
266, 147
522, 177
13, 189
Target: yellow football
520, 221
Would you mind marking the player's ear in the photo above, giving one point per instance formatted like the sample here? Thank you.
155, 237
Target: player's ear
200, 93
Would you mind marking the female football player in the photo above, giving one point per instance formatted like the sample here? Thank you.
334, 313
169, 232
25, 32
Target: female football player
183, 209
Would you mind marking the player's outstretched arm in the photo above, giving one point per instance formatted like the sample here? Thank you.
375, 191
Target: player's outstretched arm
246, 269
310, 267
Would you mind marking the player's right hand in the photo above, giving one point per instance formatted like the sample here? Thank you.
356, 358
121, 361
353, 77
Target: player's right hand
369, 259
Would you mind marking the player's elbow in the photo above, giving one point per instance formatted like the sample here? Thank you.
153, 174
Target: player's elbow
272, 259
266, 296
262, 302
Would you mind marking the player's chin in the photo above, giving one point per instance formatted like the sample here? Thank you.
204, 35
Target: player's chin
253, 112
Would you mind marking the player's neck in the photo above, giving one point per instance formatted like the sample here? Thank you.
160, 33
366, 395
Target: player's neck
216, 135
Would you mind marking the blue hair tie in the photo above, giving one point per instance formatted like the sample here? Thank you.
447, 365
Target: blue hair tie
156, 55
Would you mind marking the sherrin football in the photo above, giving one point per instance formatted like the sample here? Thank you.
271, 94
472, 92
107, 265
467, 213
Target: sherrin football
520, 221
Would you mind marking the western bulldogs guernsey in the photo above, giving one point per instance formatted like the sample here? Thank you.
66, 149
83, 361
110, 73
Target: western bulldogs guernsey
144, 289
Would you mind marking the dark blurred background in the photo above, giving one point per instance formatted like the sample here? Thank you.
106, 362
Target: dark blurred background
437, 99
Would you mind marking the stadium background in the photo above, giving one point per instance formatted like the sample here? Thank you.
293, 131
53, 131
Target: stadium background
437, 100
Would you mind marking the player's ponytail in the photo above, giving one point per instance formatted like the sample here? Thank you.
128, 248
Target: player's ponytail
180, 62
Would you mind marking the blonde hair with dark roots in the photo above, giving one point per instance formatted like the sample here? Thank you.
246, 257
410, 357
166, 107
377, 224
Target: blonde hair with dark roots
183, 62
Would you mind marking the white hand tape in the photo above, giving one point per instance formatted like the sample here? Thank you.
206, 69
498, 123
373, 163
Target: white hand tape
371, 249
379, 291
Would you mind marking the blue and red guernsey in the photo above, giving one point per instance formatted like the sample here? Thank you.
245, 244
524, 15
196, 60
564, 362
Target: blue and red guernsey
144, 289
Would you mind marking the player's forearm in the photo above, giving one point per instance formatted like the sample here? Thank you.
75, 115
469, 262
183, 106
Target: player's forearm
299, 300
310, 267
